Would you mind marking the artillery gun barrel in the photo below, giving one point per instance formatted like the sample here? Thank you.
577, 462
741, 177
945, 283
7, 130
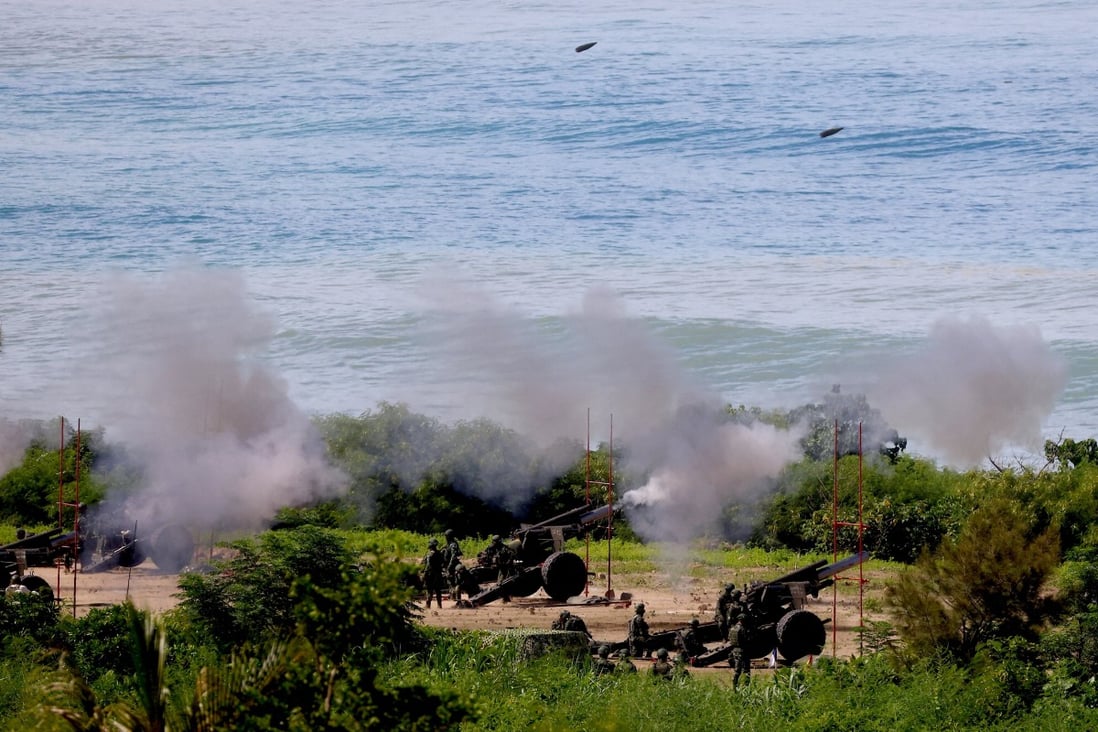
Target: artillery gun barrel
581, 515
35, 540
821, 570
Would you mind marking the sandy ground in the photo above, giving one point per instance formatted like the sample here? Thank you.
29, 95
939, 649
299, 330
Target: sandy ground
670, 603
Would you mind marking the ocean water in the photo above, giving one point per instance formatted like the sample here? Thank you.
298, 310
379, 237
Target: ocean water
443, 203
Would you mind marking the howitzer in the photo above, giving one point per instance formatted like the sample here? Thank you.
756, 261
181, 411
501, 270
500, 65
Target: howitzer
774, 617
36, 550
774, 611
540, 559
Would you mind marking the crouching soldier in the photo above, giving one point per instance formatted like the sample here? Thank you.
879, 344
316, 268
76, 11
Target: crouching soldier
662, 668
603, 664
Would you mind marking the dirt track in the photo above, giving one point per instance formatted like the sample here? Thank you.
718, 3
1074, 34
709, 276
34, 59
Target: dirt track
670, 603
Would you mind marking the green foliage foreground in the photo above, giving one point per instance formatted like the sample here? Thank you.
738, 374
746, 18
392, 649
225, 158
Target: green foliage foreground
553, 694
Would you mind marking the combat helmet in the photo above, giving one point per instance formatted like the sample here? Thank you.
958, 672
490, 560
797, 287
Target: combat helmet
694, 623
640, 608
741, 617
433, 544
448, 533
497, 539
662, 654
604, 651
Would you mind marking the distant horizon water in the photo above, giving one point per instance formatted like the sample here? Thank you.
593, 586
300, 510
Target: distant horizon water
322, 208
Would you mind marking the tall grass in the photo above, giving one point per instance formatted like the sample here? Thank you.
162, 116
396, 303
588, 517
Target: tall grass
554, 693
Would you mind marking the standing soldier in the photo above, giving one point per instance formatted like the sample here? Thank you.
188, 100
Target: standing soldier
432, 572
603, 664
724, 601
452, 555
739, 638
638, 634
662, 668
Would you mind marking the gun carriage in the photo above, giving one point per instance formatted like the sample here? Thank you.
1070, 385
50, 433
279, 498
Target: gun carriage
540, 559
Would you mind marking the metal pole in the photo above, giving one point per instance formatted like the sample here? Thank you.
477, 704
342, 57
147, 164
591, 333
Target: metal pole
835, 545
610, 503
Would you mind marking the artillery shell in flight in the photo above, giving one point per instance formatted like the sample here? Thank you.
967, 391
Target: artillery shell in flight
830, 131
585, 46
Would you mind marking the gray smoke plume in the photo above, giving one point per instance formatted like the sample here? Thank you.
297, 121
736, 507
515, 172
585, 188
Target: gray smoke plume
15, 437
971, 389
699, 464
543, 378
217, 436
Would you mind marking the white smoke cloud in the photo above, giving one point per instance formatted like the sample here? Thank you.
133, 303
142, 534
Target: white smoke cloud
972, 389
14, 440
698, 466
543, 379
218, 437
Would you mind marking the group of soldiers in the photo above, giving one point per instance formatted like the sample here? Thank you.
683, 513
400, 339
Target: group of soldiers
732, 617
443, 568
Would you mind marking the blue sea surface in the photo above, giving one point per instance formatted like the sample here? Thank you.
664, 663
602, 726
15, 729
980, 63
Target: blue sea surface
431, 201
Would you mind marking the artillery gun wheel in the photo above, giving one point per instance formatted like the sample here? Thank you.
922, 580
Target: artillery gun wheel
800, 633
132, 555
762, 641
172, 547
34, 583
563, 575
524, 585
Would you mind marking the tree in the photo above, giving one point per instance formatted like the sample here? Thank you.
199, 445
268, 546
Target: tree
985, 585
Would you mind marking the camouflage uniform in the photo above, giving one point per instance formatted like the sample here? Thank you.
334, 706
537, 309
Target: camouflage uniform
662, 668
432, 572
739, 637
638, 634
625, 665
680, 671
603, 664
500, 556
720, 614
568, 621
452, 556
691, 645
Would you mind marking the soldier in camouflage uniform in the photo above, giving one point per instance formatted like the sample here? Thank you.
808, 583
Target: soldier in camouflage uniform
689, 641
603, 664
625, 665
739, 638
432, 572
568, 621
452, 555
680, 672
662, 668
638, 633
724, 602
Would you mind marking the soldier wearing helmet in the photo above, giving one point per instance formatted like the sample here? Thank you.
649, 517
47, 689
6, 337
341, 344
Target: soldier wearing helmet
739, 637
662, 668
603, 664
690, 641
724, 602
432, 572
637, 639
451, 556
